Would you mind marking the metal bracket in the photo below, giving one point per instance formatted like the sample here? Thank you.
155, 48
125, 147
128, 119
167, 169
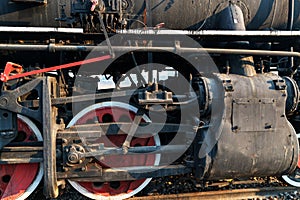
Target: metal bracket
8, 127
137, 119
280, 84
155, 97
228, 85
9, 99
9, 68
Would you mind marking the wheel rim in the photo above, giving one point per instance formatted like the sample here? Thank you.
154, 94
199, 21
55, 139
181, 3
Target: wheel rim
115, 112
18, 181
294, 179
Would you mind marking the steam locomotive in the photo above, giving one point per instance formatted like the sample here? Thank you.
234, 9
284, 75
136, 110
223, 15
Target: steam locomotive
108, 94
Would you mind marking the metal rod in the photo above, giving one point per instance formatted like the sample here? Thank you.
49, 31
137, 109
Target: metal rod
39, 30
18, 157
291, 14
5, 76
212, 33
135, 150
148, 129
127, 173
17, 47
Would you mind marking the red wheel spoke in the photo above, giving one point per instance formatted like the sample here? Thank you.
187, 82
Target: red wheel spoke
107, 113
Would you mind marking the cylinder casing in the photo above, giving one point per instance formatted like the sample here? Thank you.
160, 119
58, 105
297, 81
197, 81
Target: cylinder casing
250, 135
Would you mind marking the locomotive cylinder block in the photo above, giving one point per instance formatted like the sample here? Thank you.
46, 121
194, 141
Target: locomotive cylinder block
250, 129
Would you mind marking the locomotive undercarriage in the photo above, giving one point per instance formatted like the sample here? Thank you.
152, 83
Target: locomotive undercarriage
218, 141
108, 110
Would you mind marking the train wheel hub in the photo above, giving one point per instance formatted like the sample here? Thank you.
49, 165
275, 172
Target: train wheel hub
115, 112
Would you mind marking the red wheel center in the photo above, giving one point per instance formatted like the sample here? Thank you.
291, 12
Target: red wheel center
15, 179
116, 114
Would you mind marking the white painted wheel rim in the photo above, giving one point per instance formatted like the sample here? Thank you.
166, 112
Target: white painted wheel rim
40, 173
288, 179
133, 109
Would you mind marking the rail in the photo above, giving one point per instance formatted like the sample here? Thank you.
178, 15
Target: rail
254, 193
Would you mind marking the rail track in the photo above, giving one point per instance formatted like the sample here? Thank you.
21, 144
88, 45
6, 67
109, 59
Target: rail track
268, 193
257, 188
252, 193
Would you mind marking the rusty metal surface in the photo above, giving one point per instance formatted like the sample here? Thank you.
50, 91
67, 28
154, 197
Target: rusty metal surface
197, 14
49, 137
206, 14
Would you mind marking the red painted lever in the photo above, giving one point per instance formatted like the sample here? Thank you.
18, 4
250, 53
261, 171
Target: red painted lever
11, 67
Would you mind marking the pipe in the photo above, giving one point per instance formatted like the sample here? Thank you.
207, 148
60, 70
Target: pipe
291, 14
17, 47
